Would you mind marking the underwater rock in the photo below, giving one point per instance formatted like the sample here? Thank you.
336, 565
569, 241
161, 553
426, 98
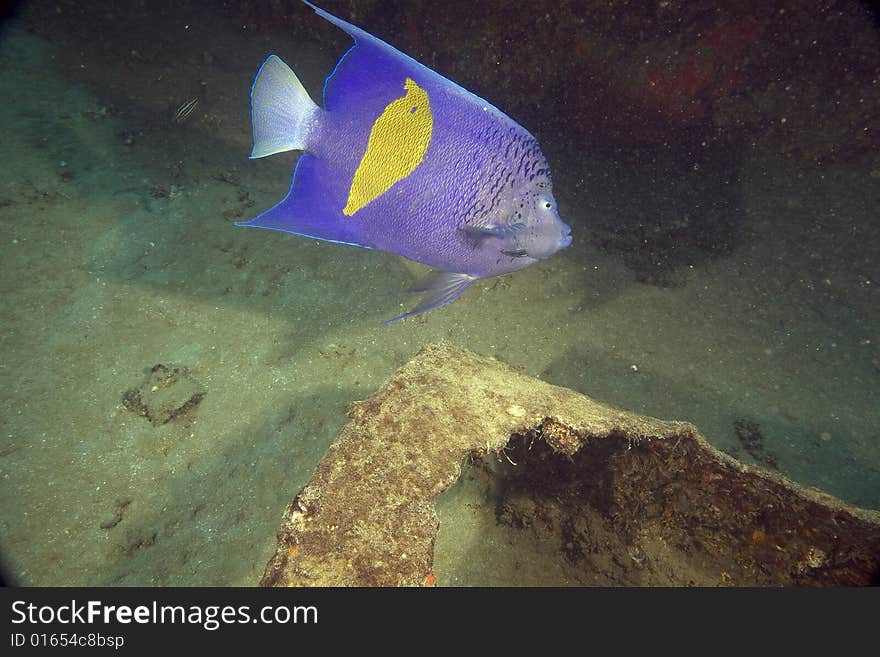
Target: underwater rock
672, 509
169, 393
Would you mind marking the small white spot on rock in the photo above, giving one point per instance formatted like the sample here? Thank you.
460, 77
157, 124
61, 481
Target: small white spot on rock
516, 411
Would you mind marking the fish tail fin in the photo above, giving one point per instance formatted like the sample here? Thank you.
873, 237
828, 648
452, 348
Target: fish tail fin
281, 110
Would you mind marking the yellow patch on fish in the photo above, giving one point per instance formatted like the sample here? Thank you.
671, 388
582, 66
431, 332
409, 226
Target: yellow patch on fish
398, 142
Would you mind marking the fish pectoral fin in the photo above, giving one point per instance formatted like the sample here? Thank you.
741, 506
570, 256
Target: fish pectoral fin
440, 288
486, 230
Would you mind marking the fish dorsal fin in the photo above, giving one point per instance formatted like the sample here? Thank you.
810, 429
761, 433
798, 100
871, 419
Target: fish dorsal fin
368, 62
363, 72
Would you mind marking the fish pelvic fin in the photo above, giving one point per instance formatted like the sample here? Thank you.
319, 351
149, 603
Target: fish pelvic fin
440, 288
282, 112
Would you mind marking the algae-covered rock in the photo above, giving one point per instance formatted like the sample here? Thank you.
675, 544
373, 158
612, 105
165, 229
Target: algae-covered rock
673, 506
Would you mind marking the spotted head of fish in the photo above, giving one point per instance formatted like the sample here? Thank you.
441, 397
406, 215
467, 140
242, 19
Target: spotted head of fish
529, 226
536, 229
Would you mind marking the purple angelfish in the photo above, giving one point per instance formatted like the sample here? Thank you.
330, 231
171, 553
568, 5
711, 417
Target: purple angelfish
403, 160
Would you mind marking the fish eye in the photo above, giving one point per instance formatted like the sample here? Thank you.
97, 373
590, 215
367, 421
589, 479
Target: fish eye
547, 203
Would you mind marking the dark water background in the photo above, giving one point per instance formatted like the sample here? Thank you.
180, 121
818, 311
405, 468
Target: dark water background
719, 164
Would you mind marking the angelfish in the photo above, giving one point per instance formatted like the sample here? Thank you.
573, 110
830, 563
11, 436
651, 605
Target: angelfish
403, 160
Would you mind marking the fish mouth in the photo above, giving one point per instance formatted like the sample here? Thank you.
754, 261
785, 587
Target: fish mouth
566, 237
